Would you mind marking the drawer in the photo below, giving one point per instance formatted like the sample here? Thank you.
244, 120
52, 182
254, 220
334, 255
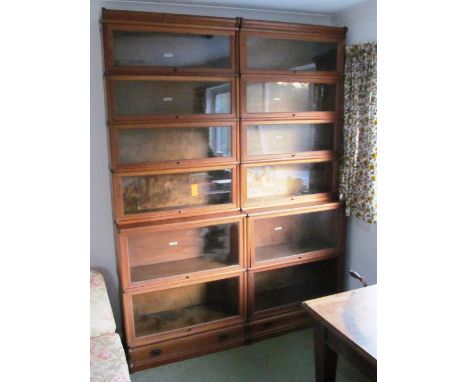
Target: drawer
186, 347
264, 328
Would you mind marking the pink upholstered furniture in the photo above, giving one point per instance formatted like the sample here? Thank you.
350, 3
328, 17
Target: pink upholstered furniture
108, 363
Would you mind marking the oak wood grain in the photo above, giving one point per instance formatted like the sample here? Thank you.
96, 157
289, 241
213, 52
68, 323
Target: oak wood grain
353, 314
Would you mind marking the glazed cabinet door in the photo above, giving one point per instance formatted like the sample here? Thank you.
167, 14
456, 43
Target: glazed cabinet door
140, 146
162, 313
169, 98
270, 52
155, 195
184, 250
283, 289
279, 183
268, 140
165, 49
288, 97
291, 237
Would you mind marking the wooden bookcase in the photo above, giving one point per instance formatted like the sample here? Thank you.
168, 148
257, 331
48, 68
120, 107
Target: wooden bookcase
224, 142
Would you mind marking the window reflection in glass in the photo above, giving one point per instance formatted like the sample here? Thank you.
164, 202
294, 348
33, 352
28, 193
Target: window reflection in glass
173, 191
289, 138
134, 98
146, 145
275, 97
277, 181
159, 254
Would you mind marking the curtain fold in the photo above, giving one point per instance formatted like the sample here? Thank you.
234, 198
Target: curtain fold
359, 163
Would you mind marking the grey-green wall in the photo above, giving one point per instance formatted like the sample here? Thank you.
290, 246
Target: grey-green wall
361, 21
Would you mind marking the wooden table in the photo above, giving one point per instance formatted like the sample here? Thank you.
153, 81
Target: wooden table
346, 323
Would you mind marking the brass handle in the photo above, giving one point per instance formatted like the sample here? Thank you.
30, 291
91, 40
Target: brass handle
155, 352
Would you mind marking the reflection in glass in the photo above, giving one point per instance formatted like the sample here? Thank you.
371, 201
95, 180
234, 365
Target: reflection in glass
294, 284
172, 97
271, 182
161, 192
283, 236
180, 307
147, 145
172, 50
295, 97
280, 54
289, 138
159, 254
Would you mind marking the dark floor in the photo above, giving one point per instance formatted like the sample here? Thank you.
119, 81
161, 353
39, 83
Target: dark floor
289, 358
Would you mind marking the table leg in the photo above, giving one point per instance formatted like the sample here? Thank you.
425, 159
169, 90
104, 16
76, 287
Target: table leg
325, 357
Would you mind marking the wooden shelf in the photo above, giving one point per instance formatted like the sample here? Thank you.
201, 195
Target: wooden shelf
287, 295
288, 285
178, 318
174, 268
271, 252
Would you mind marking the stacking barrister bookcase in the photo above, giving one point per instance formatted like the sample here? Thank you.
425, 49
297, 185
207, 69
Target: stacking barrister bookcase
224, 138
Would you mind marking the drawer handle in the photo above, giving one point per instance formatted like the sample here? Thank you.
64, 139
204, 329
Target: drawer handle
155, 352
173, 243
223, 337
278, 228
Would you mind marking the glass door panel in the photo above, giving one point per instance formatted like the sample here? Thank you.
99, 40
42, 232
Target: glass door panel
283, 236
150, 145
181, 307
177, 97
294, 55
294, 284
289, 97
171, 50
268, 183
274, 139
162, 192
165, 253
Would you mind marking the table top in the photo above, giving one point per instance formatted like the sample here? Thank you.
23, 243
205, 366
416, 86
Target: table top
351, 314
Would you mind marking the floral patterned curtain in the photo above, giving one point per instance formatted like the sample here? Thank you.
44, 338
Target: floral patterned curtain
359, 164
